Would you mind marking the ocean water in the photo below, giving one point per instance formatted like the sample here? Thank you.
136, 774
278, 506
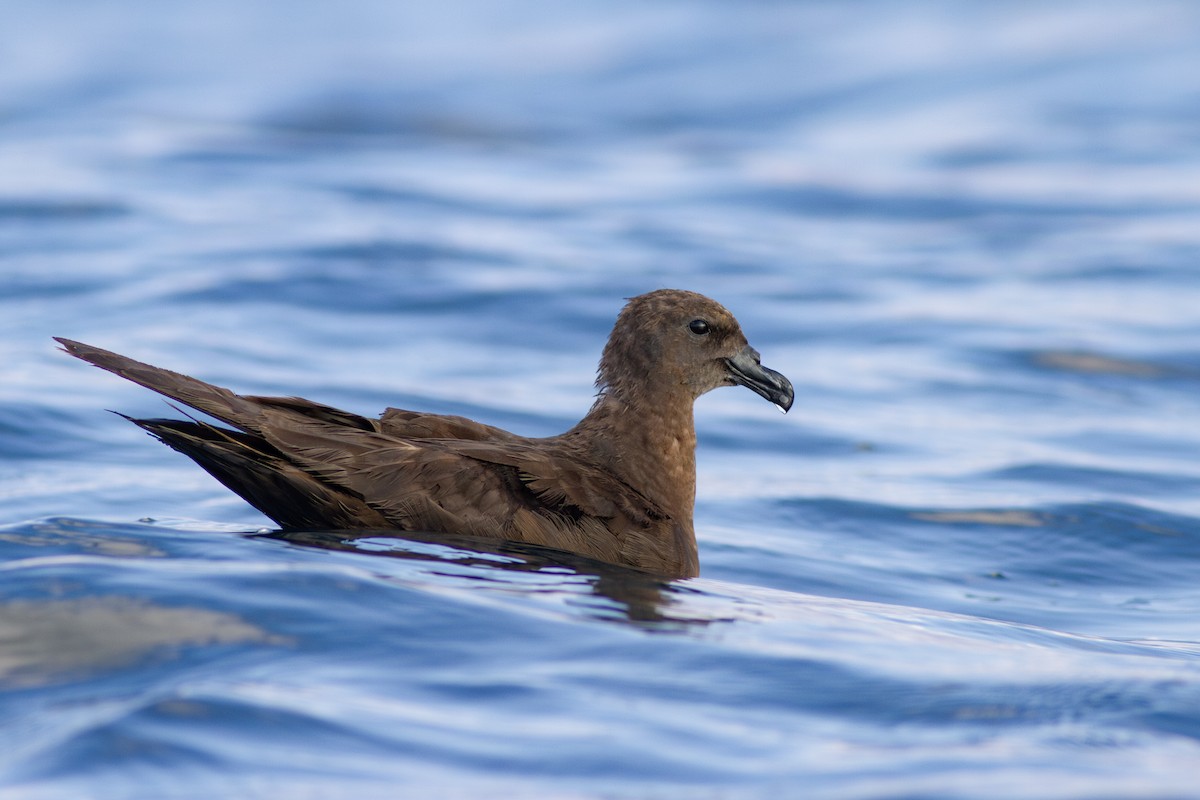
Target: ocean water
966, 565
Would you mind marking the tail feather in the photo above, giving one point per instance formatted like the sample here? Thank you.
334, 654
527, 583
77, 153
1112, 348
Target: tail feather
215, 401
242, 458
253, 469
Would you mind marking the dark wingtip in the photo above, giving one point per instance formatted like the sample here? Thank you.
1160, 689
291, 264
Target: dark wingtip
74, 348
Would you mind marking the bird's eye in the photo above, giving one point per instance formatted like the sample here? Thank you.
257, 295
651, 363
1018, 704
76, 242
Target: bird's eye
698, 327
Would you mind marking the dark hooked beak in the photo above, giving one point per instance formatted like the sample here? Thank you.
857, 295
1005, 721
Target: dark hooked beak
746, 369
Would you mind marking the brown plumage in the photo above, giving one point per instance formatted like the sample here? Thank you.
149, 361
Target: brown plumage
619, 486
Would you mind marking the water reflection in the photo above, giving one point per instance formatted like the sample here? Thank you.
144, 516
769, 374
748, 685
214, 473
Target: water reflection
627, 595
50, 641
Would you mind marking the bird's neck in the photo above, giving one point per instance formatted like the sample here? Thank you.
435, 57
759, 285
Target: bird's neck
649, 445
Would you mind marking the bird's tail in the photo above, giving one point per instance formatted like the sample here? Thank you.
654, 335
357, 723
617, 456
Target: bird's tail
215, 401
243, 459
251, 468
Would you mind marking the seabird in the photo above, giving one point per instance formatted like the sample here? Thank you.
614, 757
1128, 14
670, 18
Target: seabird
620, 486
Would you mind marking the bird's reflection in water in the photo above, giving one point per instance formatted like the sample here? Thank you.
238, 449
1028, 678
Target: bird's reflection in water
632, 596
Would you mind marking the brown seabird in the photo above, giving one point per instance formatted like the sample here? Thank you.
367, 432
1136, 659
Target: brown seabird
620, 486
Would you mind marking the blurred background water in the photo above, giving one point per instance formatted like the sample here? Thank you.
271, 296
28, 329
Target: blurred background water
965, 565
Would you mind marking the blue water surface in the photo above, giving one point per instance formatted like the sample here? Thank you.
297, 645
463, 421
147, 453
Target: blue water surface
967, 564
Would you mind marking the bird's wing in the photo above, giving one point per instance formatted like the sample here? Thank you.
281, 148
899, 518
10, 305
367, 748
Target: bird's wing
520, 490
418, 425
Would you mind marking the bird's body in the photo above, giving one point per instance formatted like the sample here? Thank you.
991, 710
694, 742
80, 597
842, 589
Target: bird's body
618, 487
